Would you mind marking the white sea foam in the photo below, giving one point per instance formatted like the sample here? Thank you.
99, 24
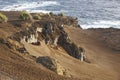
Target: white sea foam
85, 22
107, 22
38, 11
102, 24
29, 6
45, 11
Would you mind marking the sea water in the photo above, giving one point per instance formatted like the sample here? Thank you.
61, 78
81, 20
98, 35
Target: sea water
90, 13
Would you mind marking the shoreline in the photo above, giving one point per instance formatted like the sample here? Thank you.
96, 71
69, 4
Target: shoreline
29, 39
17, 12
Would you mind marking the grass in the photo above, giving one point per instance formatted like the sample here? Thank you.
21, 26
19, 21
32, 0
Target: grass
25, 15
36, 17
61, 14
51, 14
3, 18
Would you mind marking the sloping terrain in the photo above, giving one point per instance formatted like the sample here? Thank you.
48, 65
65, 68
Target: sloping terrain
96, 50
18, 52
109, 36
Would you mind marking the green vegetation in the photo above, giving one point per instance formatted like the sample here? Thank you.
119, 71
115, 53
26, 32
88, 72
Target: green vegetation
25, 15
3, 18
61, 14
36, 17
51, 13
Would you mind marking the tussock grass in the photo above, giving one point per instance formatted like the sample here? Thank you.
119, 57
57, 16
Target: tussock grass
25, 15
3, 18
36, 17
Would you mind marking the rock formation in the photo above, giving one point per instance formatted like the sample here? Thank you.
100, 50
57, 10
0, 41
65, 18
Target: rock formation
48, 49
51, 64
51, 32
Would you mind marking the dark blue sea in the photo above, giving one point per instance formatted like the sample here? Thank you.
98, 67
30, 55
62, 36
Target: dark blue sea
90, 13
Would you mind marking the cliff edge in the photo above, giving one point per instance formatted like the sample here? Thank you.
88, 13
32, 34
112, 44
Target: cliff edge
55, 47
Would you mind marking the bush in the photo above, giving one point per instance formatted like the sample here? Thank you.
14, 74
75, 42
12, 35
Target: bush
25, 15
61, 14
36, 17
3, 18
51, 13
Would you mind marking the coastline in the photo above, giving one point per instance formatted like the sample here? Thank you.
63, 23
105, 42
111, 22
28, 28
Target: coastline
60, 37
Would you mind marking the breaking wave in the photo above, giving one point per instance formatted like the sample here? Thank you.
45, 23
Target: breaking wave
91, 13
102, 24
30, 6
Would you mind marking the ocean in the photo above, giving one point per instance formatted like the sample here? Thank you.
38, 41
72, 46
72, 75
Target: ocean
90, 13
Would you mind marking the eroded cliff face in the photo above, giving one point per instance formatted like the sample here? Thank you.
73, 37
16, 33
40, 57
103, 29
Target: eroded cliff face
49, 30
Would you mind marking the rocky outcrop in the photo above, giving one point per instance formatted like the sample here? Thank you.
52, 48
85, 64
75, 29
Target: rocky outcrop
14, 44
71, 48
51, 64
28, 34
51, 30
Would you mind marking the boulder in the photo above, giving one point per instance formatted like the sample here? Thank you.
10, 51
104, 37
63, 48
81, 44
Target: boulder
51, 64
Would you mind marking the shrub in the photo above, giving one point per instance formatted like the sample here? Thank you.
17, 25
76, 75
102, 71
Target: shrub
51, 13
25, 15
61, 14
36, 17
3, 18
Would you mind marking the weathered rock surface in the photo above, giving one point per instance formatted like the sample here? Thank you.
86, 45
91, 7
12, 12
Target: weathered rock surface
71, 48
51, 31
51, 64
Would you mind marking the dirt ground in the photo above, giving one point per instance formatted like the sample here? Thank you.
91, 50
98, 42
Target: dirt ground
104, 61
